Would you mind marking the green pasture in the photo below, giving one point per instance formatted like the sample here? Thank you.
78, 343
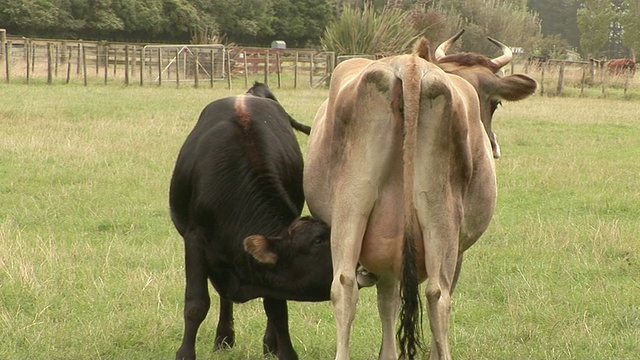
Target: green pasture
92, 268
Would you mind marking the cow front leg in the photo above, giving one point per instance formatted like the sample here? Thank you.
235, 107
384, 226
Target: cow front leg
225, 334
276, 338
197, 301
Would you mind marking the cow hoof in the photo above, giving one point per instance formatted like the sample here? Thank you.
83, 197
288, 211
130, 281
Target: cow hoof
365, 278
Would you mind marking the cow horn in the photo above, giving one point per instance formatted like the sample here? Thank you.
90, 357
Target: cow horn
506, 56
441, 51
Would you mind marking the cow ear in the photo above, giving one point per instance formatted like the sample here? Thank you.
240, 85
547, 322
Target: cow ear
258, 247
516, 87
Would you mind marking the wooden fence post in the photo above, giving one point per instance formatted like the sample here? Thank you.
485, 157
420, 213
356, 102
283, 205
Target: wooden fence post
132, 65
584, 75
69, 64
99, 47
63, 52
560, 79
106, 63
627, 76
295, 71
159, 66
115, 61
331, 64
278, 69
3, 44
196, 78
311, 71
49, 63
84, 65
177, 62
229, 70
56, 57
78, 58
34, 47
7, 58
212, 69
246, 70
542, 79
143, 60
27, 54
126, 65
266, 68
604, 81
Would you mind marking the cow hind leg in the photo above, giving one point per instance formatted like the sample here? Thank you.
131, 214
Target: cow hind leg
442, 267
388, 297
344, 296
276, 338
225, 334
439, 310
344, 287
197, 301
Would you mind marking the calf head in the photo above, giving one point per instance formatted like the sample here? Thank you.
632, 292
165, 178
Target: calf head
261, 90
297, 263
485, 76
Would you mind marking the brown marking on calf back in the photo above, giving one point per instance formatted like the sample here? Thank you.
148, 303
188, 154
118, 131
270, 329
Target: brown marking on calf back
244, 117
247, 135
470, 59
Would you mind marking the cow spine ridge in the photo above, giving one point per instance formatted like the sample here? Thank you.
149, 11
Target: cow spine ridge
409, 334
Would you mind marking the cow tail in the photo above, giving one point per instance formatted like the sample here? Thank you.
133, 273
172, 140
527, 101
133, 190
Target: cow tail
409, 333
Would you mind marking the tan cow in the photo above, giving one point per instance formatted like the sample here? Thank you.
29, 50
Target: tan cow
401, 167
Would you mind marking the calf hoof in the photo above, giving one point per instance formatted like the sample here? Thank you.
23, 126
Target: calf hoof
184, 354
224, 342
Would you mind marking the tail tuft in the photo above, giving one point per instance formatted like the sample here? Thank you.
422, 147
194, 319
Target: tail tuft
410, 333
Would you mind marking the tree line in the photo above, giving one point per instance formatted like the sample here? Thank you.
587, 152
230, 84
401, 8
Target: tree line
553, 28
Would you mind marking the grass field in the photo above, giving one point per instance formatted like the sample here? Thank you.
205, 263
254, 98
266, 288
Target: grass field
91, 267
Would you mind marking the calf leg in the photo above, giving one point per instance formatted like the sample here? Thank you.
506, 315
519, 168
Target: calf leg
225, 335
197, 301
276, 338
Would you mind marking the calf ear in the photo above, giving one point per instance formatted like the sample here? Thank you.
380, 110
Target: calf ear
516, 87
258, 247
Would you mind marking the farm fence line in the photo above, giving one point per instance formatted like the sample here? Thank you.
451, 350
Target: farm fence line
211, 65
160, 64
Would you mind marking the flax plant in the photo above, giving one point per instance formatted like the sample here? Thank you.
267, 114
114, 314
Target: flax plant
365, 31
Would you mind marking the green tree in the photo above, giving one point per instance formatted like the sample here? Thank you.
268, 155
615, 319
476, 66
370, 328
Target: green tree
558, 17
594, 19
28, 17
244, 21
143, 19
299, 22
102, 18
71, 20
630, 23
